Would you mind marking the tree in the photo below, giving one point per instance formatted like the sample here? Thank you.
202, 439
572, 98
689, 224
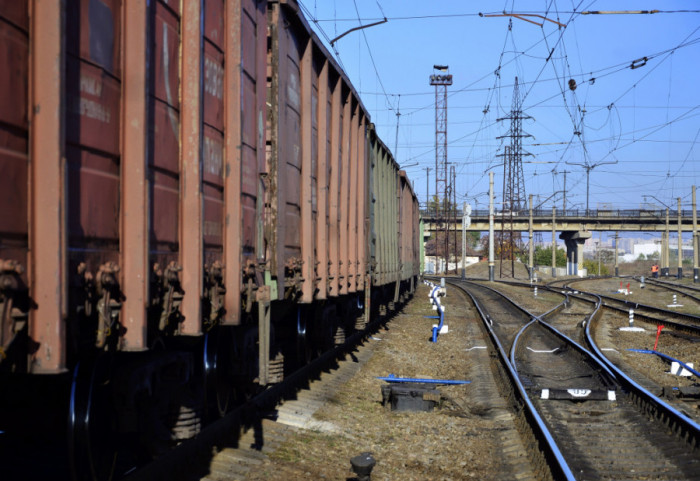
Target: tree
607, 256
507, 248
543, 256
592, 267
473, 238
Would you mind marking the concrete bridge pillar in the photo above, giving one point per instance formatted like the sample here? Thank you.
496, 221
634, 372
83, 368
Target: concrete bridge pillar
574, 250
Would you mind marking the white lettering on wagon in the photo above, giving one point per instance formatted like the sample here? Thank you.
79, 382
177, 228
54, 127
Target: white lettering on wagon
213, 78
93, 110
213, 155
85, 107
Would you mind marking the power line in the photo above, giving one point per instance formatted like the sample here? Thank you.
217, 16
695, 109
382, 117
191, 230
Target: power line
484, 14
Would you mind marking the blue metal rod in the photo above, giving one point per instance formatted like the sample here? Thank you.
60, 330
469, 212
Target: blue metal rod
668, 358
392, 378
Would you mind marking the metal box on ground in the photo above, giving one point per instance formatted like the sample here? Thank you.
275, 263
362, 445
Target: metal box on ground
410, 397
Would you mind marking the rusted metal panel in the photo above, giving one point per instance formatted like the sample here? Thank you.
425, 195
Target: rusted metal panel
165, 135
307, 105
14, 56
15, 13
371, 207
384, 218
406, 213
213, 153
93, 200
93, 33
409, 215
336, 124
290, 153
47, 234
344, 205
394, 203
92, 130
14, 169
134, 199
317, 62
166, 39
191, 201
245, 90
213, 228
362, 195
324, 150
13, 190
284, 162
215, 15
353, 199
93, 98
380, 212
213, 86
14, 52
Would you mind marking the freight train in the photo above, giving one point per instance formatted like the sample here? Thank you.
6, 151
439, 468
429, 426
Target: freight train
193, 202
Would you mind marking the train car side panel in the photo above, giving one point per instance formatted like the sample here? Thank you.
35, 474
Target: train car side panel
164, 148
353, 200
14, 127
336, 122
344, 202
284, 161
362, 195
244, 172
322, 191
309, 99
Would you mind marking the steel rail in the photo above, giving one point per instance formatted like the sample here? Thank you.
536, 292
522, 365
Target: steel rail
692, 328
678, 422
548, 446
669, 285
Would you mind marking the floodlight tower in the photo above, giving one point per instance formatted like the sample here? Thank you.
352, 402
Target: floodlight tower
441, 81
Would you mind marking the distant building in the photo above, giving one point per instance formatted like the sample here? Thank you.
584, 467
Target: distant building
646, 248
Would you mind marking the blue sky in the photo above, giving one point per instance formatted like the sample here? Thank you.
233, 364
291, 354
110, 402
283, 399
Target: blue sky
639, 128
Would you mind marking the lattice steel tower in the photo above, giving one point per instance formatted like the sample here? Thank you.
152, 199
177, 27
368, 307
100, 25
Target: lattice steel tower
442, 187
513, 180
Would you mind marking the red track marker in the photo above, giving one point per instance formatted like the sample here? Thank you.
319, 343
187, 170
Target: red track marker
658, 333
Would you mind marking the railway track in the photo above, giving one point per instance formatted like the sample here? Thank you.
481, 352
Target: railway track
629, 351
670, 316
577, 401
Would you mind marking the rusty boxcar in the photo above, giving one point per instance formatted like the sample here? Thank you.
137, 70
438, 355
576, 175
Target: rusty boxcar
195, 202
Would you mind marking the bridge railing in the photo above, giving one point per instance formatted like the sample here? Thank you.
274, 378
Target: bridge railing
581, 213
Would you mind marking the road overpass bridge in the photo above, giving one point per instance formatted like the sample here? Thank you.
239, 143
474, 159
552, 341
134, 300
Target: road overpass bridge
574, 226
622, 220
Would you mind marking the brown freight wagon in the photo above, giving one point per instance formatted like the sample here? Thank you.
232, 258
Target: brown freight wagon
180, 183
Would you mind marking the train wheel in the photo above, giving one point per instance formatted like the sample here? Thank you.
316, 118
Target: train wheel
218, 375
246, 364
92, 439
325, 329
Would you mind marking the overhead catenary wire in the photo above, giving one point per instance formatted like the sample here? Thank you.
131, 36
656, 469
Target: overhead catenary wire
565, 62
